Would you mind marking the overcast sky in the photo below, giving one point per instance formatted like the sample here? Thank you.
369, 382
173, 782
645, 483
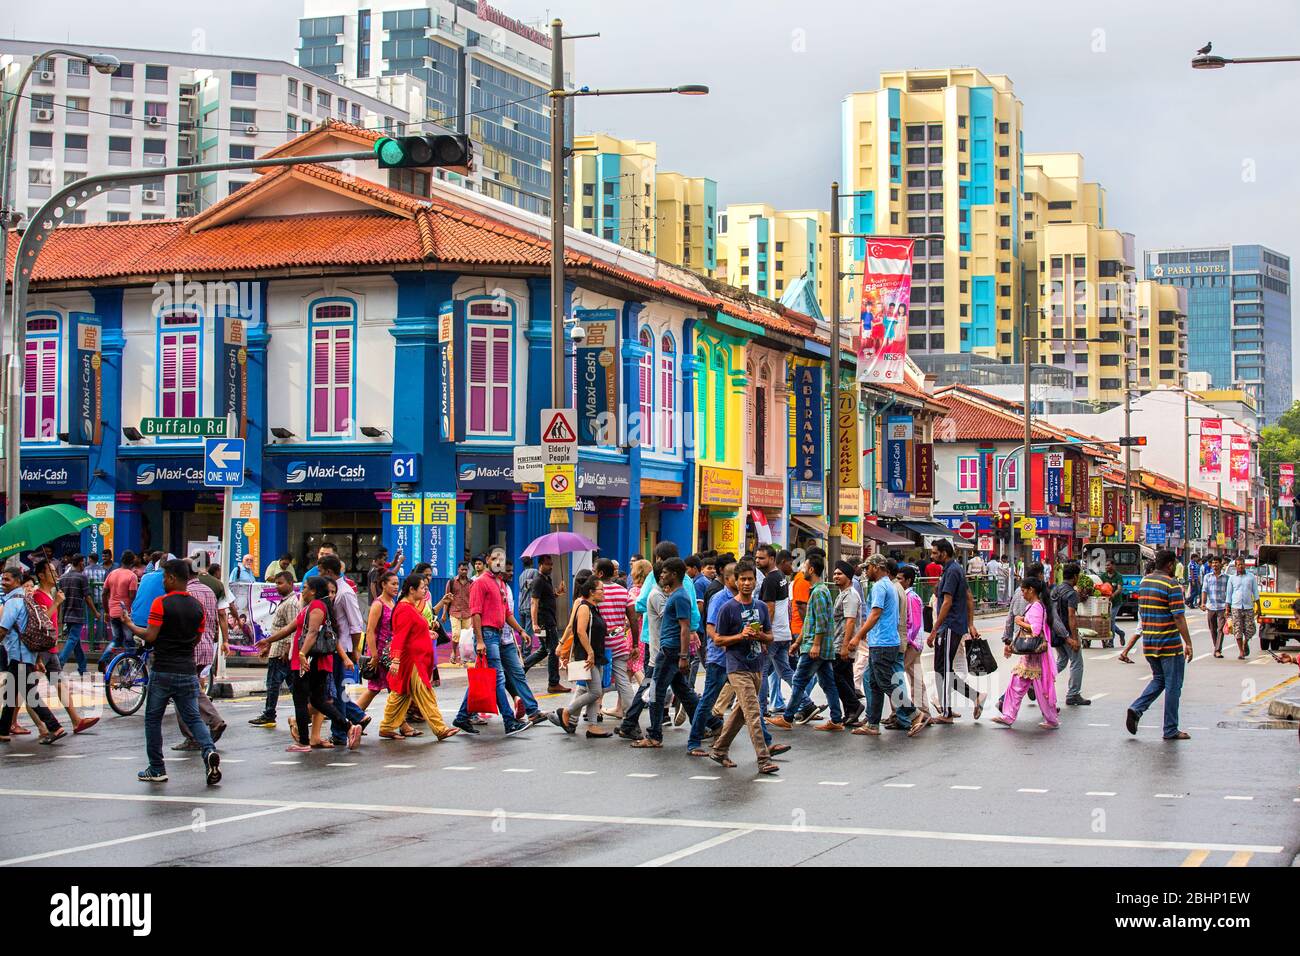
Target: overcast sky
1187, 157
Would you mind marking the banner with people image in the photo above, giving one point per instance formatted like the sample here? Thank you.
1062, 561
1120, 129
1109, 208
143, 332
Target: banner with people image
886, 292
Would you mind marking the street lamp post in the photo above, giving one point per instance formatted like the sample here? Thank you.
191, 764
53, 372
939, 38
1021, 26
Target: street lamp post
104, 63
1209, 62
558, 94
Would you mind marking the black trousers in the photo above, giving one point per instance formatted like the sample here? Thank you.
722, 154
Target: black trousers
550, 642
23, 681
310, 689
843, 671
946, 645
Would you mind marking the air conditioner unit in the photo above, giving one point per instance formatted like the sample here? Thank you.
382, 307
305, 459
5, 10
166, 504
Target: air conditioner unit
155, 120
45, 114
251, 130
47, 76
152, 195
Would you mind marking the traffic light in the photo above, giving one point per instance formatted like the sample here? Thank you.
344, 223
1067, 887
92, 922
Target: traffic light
1002, 522
1126, 441
427, 149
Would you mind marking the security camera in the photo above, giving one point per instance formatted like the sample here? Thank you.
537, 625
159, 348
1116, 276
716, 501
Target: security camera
578, 334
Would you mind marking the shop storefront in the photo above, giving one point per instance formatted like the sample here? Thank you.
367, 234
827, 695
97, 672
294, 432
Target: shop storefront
662, 502
604, 491
720, 496
489, 502
314, 498
50, 481
167, 507
765, 512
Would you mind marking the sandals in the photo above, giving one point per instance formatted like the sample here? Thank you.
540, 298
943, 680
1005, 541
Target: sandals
767, 768
449, 732
649, 743
397, 736
697, 752
413, 732
322, 745
596, 735
723, 760
866, 730
979, 706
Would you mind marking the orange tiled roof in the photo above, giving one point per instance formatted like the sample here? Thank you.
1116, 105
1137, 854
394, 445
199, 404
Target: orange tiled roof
1169, 487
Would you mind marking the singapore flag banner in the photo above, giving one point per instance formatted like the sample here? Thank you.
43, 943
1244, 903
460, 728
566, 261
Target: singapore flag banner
886, 292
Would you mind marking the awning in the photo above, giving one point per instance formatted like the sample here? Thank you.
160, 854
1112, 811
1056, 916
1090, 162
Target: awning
814, 523
885, 537
928, 529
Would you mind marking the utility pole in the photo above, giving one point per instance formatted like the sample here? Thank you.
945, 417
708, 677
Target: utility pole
559, 395
833, 492
1128, 448
1025, 481
1187, 477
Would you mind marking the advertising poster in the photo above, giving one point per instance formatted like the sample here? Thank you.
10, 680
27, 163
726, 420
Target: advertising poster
1239, 462
886, 292
807, 464
1286, 486
85, 423
898, 435
442, 550
1211, 449
847, 455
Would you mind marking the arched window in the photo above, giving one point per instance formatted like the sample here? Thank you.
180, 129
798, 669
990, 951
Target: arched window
667, 394
646, 384
41, 378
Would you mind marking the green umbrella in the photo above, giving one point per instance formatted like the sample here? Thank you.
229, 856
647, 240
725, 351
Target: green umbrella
31, 529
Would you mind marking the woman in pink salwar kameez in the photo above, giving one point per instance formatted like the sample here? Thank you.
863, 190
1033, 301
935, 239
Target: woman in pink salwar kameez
1032, 670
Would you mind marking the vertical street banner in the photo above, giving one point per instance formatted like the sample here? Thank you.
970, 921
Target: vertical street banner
886, 292
1111, 510
85, 419
1096, 492
441, 547
898, 435
808, 424
1239, 462
1211, 449
245, 529
846, 456
232, 374
447, 374
99, 535
407, 515
597, 358
1286, 486
923, 481
1055, 491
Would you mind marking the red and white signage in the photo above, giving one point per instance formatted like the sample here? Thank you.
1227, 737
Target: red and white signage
966, 530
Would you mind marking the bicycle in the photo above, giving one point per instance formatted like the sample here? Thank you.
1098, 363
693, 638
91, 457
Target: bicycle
126, 679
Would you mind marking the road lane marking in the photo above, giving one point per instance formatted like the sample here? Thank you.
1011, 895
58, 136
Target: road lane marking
1106, 657
132, 758
1100, 793
1233, 796
694, 848
340, 765
1030, 790
20, 755
1104, 693
768, 780
1195, 858
1201, 657
457, 768
964, 787
135, 838
399, 766
664, 822
517, 770
1239, 859
580, 773
1099, 725
703, 776
900, 786
1169, 796
832, 783
642, 776
73, 756
285, 763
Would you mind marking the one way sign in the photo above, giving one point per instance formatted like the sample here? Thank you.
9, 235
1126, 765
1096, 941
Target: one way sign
223, 462
560, 436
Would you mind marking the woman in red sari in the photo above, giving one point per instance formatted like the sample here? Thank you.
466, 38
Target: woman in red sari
410, 673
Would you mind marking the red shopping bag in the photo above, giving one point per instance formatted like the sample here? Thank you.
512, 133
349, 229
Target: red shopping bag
482, 697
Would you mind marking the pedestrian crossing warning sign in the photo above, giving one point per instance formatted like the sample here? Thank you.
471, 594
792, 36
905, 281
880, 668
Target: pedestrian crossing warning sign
559, 429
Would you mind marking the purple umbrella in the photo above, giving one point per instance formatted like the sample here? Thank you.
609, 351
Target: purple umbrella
559, 542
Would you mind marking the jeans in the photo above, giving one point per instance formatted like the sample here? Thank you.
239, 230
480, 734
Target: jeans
207, 712
776, 669
715, 676
183, 689
492, 644
886, 677
808, 669
72, 632
23, 689
277, 673
1074, 658
1166, 678
121, 636
348, 707
667, 677
516, 682
1115, 629
549, 640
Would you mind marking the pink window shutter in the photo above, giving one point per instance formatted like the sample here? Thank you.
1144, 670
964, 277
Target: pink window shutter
342, 381
169, 376
500, 380
320, 398
49, 389
478, 379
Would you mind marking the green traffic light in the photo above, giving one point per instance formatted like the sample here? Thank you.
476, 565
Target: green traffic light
389, 151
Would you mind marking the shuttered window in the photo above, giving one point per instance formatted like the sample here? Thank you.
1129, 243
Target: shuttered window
41, 384
179, 358
646, 388
667, 395
490, 347
333, 371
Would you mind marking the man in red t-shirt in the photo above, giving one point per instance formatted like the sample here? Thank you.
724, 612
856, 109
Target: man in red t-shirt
48, 596
120, 586
489, 614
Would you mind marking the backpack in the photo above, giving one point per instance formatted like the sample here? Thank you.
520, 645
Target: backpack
38, 633
1058, 617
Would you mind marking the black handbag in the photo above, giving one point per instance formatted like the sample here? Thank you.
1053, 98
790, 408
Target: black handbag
1026, 643
979, 658
327, 640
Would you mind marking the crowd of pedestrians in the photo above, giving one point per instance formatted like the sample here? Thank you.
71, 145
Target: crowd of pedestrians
784, 642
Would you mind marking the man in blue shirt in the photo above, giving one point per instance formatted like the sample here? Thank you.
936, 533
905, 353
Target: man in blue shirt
23, 665
671, 663
1214, 599
1243, 592
744, 630
715, 667
882, 643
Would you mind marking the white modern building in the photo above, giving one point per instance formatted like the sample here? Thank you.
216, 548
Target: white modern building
484, 73
163, 108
